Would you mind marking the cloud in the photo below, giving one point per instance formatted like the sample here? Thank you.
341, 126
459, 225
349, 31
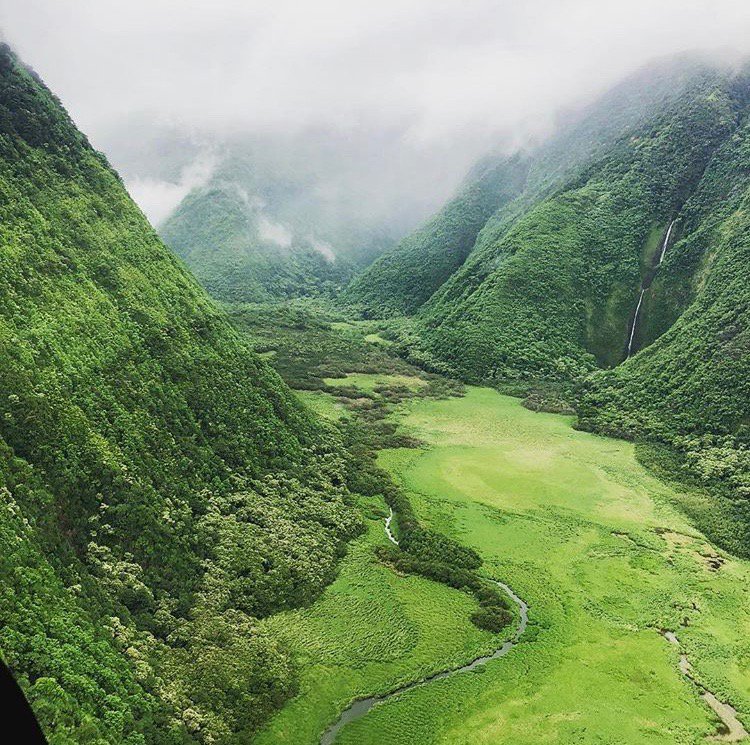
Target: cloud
450, 77
274, 232
159, 197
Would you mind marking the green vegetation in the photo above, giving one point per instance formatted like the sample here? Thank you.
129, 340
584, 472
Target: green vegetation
219, 236
161, 488
554, 294
690, 388
370, 397
256, 234
371, 631
543, 304
601, 552
403, 278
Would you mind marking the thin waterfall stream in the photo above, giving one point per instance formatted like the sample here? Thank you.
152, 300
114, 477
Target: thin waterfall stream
645, 286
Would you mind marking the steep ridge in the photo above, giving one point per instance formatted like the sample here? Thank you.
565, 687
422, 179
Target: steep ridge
554, 294
689, 387
500, 190
161, 488
403, 278
257, 231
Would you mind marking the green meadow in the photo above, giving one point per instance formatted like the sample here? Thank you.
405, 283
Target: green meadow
598, 548
368, 382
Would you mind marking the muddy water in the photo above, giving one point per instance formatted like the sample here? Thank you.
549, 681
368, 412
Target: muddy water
357, 709
388, 532
734, 731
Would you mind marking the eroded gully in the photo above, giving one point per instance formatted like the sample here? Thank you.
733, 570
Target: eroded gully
645, 286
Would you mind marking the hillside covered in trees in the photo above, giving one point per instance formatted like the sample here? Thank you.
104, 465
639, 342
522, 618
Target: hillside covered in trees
545, 298
278, 221
161, 487
501, 189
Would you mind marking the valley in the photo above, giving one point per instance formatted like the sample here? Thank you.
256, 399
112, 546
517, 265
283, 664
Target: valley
599, 549
488, 484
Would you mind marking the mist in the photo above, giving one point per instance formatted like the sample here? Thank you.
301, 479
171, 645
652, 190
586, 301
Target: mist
394, 100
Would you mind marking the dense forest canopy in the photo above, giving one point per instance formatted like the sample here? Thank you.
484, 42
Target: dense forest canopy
161, 486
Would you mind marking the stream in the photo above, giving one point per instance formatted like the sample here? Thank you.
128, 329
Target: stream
358, 708
726, 713
646, 284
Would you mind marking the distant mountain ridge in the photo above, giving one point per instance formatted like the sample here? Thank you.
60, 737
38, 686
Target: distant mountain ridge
502, 188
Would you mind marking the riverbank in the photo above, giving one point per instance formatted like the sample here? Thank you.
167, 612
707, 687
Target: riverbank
594, 545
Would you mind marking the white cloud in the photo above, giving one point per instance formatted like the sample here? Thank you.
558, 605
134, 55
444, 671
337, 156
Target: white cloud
451, 77
157, 198
324, 248
274, 232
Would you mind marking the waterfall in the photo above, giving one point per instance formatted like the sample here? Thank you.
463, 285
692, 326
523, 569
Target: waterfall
645, 286
666, 242
635, 321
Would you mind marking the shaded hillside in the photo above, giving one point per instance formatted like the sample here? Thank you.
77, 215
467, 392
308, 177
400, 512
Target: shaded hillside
258, 230
161, 488
691, 386
500, 190
554, 292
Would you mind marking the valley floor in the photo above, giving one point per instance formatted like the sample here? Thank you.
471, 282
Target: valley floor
596, 546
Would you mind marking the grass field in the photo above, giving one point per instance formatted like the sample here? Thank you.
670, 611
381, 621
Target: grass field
598, 549
371, 631
367, 382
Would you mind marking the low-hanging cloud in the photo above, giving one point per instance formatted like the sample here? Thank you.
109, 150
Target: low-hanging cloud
158, 197
451, 77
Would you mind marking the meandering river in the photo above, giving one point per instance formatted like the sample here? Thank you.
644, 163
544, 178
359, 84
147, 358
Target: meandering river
357, 709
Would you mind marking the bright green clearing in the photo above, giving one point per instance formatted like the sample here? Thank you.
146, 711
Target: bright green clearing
322, 404
370, 631
596, 547
377, 339
367, 382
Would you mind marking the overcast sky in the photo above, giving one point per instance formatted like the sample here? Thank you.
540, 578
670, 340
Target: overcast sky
453, 77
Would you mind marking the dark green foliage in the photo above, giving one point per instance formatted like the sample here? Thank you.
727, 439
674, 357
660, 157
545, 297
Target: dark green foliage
690, 387
153, 470
493, 614
558, 288
402, 279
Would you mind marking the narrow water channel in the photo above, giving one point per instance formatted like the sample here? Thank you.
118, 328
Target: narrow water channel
357, 709
733, 729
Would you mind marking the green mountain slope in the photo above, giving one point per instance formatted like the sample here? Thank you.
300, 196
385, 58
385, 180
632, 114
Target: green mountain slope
161, 488
402, 279
500, 190
690, 387
554, 291
258, 231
